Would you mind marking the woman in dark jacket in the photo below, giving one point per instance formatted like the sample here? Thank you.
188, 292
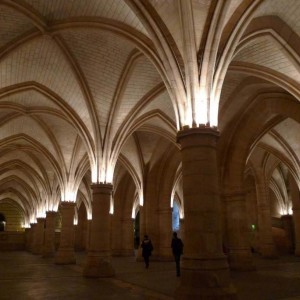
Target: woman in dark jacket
147, 250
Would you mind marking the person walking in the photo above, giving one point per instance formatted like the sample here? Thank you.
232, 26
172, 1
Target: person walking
147, 250
177, 249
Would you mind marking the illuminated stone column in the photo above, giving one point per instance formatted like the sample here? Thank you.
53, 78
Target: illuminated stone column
205, 271
31, 237
87, 234
266, 244
98, 262
165, 234
27, 239
238, 232
288, 226
66, 254
49, 241
39, 236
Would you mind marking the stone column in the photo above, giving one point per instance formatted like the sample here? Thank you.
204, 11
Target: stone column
205, 271
39, 236
165, 234
49, 242
98, 262
238, 231
27, 239
288, 226
266, 244
127, 237
87, 234
32, 237
296, 218
66, 254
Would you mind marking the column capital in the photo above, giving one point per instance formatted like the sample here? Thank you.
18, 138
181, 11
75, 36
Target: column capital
67, 204
102, 188
200, 136
40, 220
51, 213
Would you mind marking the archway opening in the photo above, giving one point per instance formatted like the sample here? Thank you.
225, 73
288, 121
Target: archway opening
175, 217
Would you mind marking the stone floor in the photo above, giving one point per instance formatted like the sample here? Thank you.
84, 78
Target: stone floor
25, 276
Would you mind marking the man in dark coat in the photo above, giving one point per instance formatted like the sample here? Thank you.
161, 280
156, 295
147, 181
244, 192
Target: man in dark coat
177, 249
147, 250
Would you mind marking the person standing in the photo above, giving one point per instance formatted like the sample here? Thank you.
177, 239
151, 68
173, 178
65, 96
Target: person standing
147, 250
177, 249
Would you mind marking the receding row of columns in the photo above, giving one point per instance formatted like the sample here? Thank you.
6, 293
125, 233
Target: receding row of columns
205, 268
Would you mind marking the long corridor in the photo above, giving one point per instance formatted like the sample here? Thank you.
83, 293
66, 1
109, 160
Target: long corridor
24, 276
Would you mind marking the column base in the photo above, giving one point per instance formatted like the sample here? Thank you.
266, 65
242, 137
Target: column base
98, 266
65, 257
205, 279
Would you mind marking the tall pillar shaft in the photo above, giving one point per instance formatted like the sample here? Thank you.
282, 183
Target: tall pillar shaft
165, 234
266, 243
288, 226
127, 237
87, 234
205, 271
98, 262
27, 238
49, 242
238, 232
32, 236
39, 236
66, 254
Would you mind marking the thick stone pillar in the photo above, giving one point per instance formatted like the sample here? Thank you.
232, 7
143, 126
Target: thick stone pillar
127, 237
266, 244
98, 262
238, 231
296, 219
32, 237
87, 234
165, 234
205, 271
39, 236
27, 239
288, 226
66, 253
49, 241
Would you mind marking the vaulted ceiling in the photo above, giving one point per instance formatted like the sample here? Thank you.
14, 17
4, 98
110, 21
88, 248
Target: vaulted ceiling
82, 82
